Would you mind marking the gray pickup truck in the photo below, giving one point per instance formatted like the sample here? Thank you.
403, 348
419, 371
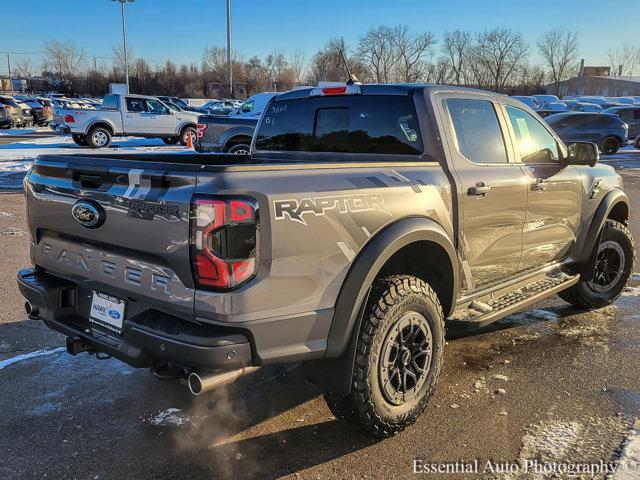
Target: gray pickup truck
366, 217
232, 133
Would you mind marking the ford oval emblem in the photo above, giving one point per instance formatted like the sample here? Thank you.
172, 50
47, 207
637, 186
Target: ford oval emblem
88, 214
113, 313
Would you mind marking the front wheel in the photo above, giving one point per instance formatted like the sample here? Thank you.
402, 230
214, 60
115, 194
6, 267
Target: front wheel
610, 145
399, 355
613, 266
99, 137
187, 133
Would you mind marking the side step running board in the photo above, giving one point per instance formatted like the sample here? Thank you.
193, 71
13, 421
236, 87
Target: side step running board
483, 311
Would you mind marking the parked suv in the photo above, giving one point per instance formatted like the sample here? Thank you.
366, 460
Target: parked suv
9, 105
630, 116
41, 109
365, 217
607, 131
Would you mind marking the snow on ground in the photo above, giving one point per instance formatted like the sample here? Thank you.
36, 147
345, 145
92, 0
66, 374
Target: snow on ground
29, 355
170, 416
24, 131
16, 158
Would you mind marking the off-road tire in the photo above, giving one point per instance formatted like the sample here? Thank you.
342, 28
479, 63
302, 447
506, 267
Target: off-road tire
79, 140
391, 299
582, 295
610, 145
185, 133
94, 134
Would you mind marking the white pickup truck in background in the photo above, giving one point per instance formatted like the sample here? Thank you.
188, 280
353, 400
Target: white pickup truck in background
128, 114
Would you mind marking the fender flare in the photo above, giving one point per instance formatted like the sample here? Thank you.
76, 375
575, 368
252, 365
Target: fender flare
596, 227
334, 371
106, 123
240, 130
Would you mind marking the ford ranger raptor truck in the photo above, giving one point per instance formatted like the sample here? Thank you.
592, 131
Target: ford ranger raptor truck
365, 217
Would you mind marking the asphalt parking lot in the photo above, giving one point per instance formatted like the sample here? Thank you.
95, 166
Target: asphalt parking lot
552, 383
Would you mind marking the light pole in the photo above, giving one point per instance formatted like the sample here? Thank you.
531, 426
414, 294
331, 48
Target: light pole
229, 67
124, 38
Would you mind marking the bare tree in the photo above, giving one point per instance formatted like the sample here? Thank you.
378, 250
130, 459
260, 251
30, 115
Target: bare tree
378, 51
298, 66
327, 64
502, 52
627, 57
24, 68
119, 59
456, 48
559, 49
64, 59
415, 52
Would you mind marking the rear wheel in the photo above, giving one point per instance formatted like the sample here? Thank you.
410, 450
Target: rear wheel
610, 145
79, 140
399, 354
240, 149
637, 142
612, 269
99, 137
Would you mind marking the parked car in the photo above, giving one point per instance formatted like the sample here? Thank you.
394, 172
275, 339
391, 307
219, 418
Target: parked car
602, 101
552, 108
544, 99
624, 100
27, 117
9, 105
231, 134
531, 102
6, 120
629, 115
364, 218
253, 106
41, 109
607, 131
129, 114
218, 107
587, 107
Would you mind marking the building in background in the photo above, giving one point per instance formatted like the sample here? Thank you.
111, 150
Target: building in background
597, 81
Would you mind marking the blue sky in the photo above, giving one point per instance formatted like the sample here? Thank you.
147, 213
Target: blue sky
180, 29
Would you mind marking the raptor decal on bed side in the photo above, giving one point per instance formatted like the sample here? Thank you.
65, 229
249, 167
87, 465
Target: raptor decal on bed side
296, 209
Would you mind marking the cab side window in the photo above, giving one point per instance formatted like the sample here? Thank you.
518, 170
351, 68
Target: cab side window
135, 105
477, 130
535, 143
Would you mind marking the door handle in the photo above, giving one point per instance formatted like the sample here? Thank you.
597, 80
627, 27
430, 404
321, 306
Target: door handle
480, 189
539, 186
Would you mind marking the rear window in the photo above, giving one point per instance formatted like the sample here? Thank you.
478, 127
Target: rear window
346, 124
110, 102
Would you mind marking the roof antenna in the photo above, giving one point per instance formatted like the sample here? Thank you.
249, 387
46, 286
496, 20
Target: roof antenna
353, 80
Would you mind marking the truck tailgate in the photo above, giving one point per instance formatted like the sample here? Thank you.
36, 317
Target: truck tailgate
128, 231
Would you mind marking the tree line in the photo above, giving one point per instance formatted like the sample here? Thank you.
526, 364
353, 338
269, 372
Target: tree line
497, 59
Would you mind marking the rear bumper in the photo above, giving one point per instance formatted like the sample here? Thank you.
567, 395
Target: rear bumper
62, 128
146, 340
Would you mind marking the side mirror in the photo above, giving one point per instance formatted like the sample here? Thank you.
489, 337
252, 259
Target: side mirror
582, 153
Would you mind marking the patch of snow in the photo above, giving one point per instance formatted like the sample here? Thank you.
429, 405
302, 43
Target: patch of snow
628, 465
170, 416
27, 356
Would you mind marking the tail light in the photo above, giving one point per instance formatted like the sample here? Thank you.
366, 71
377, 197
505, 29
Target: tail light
224, 241
201, 128
69, 119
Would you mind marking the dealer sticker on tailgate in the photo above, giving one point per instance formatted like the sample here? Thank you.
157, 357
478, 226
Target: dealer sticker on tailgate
107, 311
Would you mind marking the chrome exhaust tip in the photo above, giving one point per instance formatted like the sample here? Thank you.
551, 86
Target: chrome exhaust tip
32, 311
199, 382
